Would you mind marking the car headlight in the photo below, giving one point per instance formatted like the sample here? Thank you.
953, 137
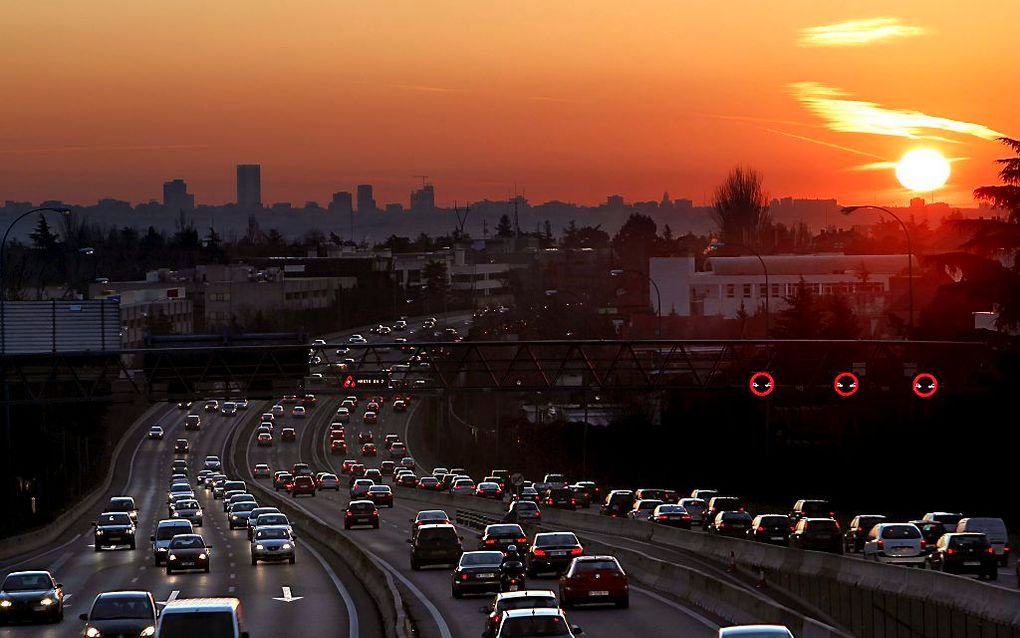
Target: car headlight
233, 516
259, 547
202, 556
92, 632
5, 604
172, 557
149, 631
46, 602
286, 546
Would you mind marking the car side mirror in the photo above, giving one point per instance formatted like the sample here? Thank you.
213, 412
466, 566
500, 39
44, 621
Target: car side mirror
460, 537
153, 538
60, 585
83, 616
574, 629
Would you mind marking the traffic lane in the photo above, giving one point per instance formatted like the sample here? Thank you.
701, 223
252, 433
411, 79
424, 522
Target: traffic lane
647, 613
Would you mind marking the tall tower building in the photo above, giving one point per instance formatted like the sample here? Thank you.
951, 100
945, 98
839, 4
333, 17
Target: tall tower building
249, 185
176, 197
342, 203
423, 200
366, 201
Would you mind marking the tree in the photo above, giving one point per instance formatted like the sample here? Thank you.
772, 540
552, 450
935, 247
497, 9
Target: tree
1007, 195
840, 320
547, 230
42, 237
802, 318
505, 228
741, 208
435, 277
637, 235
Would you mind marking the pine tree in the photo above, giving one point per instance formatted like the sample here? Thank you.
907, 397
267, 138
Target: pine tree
802, 318
42, 237
504, 229
840, 319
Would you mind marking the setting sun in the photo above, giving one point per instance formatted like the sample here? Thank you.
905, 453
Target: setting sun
922, 170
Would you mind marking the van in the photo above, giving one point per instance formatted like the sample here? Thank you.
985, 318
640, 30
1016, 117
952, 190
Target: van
165, 531
994, 529
435, 545
206, 617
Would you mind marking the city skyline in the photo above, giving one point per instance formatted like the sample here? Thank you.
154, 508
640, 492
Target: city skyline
603, 99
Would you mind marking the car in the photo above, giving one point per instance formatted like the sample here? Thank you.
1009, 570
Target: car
288, 435
387, 468
857, 532
318, 342
277, 411
345, 467
187, 552
434, 544
409, 463
308, 399
529, 493
212, 405
704, 494
671, 516
438, 472
242, 404
949, 520
398, 450
643, 508
594, 579
337, 431
755, 631
462, 487
357, 339
179, 466
155, 433
359, 488
232, 497
821, 534
184, 405
177, 500
552, 552
212, 462
189, 510
581, 496
365, 437
182, 616
721, 504
237, 515
368, 449
267, 418
370, 417
229, 408
192, 422
520, 511
896, 543
228, 486
508, 601
343, 415
931, 531
734, 524
696, 508
120, 613
994, 529
428, 517
298, 412
380, 495
428, 483
373, 406
811, 508
650, 493
177, 490
400, 325
328, 481
165, 532
124, 504
617, 503
548, 623
302, 485
361, 512
112, 529
262, 470
357, 470
559, 496
965, 553
400, 405
282, 479
406, 479
773, 529
338, 446
253, 518
201, 476
502, 535
273, 543
477, 572
31, 595
489, 490
289, 399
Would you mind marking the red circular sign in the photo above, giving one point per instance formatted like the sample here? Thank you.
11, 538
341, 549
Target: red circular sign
350, 382
925, 385
846, 384
762, 384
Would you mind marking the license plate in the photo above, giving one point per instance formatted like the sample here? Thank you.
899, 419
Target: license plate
489, 575
777, 538
557, 553
598, 593
187, 563
972, 563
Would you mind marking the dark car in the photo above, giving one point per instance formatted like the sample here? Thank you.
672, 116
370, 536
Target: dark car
428, 517
288, 434
500, 536
560, 497
582, 498
477, 572
520, 511
617, 503
931, 532
650, 493
770, 528
435, 545
31, 595
186, 552
811, 508
820, 534
489, 489
968, 553
733, 524
124, 504
387, 467
380, 495
338, 446
303, 485
857, 532
121, 613
671, 516
237, 515
181, 446
718, 504
361, 513
504, 602
552, 552
407, 479
113, 529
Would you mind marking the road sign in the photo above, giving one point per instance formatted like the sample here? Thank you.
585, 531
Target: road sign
762, 384
846, 384
925, 385
357, 380
517, 479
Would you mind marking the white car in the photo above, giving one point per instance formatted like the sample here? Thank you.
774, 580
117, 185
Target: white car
898, 543
319, 342
755, 631
357, 339
298, 412
277, 410
343, 415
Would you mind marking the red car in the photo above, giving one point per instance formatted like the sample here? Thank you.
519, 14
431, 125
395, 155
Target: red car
358, 469
368, 449
594, 579
303, 485
365, 437
338, 446
370, 417
337, 433
345, 467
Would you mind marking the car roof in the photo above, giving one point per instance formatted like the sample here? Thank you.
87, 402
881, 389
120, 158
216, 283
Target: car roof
744, 630
285, 528
173, 522
32, 572
585, 559
362, 502
184, 605
527, 593
437, 526
123, 594
537, 611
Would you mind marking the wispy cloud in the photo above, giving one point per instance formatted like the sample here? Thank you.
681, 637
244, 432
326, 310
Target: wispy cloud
812, 140
857, 33
884, 166
856, 116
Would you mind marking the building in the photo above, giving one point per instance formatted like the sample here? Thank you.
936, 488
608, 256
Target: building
394, 208
176, 197
423, 200
342, 203
249, 185
366, 200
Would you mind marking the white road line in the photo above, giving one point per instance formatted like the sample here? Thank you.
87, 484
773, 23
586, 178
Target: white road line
134, 580
353, 621
690, 612
57, 564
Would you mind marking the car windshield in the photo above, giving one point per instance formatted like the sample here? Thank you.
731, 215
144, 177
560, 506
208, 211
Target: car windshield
526, 506
736, 517
475, 559
244, 506
533, 626
212, 624
379, 489
527, 602
187, 505
121, 607
559, 538
775, 519
672, 509
432, 515
114, 519
429, 480
900, 532
187, 542
264, 534
166, 532
26, 582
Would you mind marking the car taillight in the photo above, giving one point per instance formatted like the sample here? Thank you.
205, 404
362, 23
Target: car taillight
991, 550
832, 514
577, 551
463, 576
741, 509
496, 618
661, 517
522, 540
490, 541
722, 525
539, 552
350, 514
950, 551
923, 543
573, 501
686, 517
761, 528
880, 543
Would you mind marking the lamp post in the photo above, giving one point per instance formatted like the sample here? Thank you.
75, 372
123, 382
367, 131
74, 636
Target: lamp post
846, 210
617, 272
719, 245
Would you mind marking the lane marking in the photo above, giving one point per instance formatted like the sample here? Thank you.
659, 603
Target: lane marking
169, 599
287, 596
675, 605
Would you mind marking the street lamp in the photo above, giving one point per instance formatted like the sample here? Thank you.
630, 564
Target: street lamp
719, 245
617, 272
846, 210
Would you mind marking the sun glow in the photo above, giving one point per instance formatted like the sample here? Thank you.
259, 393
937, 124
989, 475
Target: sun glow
922, 170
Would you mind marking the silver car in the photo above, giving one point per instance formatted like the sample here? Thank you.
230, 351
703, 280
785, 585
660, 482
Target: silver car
189, 510
273, 543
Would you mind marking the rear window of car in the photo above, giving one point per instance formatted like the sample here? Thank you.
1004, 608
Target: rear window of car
196, 623
533, 626
775, 519
272, 519
960, 542
900, 532
527, 602
303, 480
564, 538
437, 536
265, 534
672, 509
821, 525
726, 503
583, 566
379, 489
472, 559
736, 516
815, 507
361, 507
526, 506
504, 530
166, 532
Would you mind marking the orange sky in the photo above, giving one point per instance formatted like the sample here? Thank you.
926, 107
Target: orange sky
570, 100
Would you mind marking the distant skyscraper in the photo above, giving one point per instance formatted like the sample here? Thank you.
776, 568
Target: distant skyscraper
249, 185
614, 202
423, 200
366, 201
342, 203
176, 196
